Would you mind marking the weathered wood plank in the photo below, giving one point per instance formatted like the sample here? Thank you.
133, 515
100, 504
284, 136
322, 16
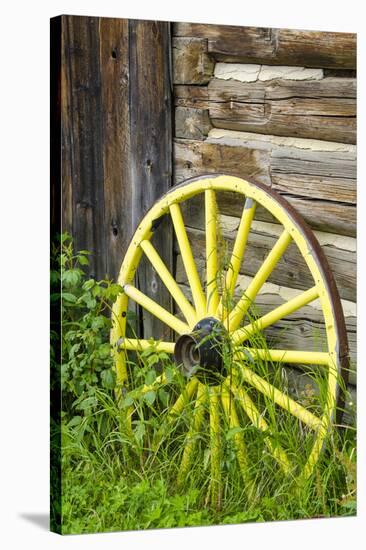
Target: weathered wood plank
82, 137
326, 215
274, 46
191, 123
64, 105
310, 186
337, 164
191, 96
329, 175
114, 66
196, 157
151, 145
191, 62
320, 109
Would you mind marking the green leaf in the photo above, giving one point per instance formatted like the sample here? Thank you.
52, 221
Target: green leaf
163, 396
88, 284
150, 397
128, 401
104, 351
108, 379
152, 359
74, 349
75, 421
97, 291
169, 374
150, 377
71, 277
83, 260
140, 431
98, 322
87, 403
68, 297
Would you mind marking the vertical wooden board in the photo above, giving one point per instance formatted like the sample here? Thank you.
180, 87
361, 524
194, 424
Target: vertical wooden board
83, 135
114, 68
66, 130
151, 144
55, 287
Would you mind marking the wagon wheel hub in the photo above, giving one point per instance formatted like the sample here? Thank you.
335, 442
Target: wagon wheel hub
201, 353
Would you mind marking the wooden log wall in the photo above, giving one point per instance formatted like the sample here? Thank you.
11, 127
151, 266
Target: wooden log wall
279, 106
116, 120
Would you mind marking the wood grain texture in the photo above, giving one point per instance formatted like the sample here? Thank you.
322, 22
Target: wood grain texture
192, 123
116, 118
151, 144
191, 62
274, 46
319, 109
82, 138
116, 146
298, 174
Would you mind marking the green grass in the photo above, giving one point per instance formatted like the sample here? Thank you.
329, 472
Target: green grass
114, 481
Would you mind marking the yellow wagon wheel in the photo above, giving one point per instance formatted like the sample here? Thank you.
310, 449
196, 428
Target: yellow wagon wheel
214, 345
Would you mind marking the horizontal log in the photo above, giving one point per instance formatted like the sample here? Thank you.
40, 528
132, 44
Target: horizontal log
191, 62
312, 186
198, 157
191, 96
320, 109
326, 215
290, 271
326, 175
274, 46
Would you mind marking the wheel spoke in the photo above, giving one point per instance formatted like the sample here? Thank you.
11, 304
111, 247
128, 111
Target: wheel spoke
165, 275
284, 356
259, 422
233, 422
215, 449
273, 316
188, 260
119, 322
280, 398
258, 280
316, 450
184, 398
156, 310
197, 420
211, 251
133, 344
238, 253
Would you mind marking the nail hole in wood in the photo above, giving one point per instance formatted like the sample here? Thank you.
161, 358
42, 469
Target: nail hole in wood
114, 54
115, 231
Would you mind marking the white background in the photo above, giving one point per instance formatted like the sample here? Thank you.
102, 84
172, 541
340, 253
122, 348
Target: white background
24, 238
